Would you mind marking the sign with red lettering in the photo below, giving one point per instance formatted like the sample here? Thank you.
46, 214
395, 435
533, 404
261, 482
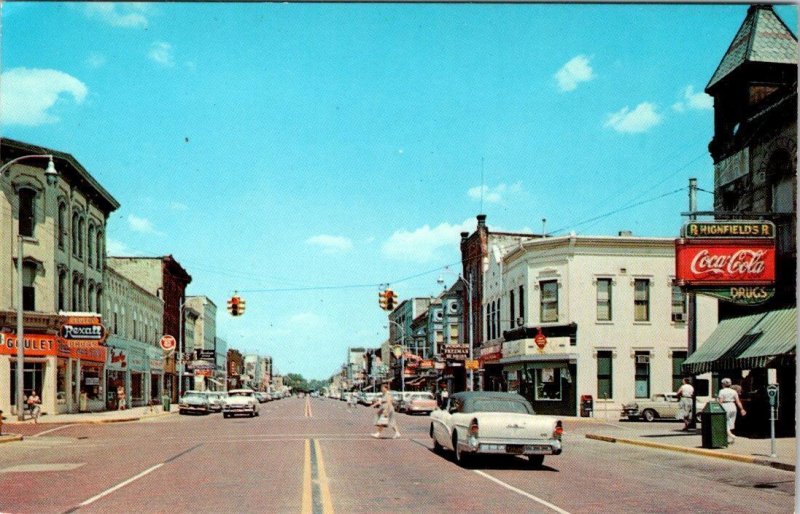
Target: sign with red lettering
540, 339
724, 262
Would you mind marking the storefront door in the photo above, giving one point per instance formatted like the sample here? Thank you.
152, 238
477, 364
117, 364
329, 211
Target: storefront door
32, 380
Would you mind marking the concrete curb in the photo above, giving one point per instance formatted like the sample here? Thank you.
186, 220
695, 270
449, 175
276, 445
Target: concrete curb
10, 438
748, 459
53, 421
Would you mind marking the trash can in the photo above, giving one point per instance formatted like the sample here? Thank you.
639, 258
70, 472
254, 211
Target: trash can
714, 426
165, 403
587, 405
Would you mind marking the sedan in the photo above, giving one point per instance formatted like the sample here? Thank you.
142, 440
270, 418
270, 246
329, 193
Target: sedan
194, 401
661, 405
493, 423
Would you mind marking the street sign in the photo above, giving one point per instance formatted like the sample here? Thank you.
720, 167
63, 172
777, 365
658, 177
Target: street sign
167, 343
471, 364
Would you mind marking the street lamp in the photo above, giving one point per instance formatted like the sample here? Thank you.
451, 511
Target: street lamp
399, 352
52, 175
468, 283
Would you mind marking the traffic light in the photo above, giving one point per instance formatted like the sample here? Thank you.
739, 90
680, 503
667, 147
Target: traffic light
391, 300
236, 306
382, 300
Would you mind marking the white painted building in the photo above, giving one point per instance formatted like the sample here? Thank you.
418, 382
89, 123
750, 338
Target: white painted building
607, 320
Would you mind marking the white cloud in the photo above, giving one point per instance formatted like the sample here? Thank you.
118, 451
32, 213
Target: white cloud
178, 206
142, 225
423, 244
116, 248
127, 15
331, 244
575, 71
496, 194
95, 60
26, 94
696, 101
641, 119
161, 53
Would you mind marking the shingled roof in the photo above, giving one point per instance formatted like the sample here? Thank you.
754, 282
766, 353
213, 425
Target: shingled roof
763, 37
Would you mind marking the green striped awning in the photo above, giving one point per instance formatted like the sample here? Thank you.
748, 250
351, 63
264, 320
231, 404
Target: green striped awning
747, 342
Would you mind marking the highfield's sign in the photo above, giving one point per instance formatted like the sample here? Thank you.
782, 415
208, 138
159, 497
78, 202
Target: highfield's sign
731, 261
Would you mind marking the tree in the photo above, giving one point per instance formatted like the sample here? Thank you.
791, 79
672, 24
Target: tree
296, 382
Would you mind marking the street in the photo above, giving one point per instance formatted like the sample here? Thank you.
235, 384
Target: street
315, 455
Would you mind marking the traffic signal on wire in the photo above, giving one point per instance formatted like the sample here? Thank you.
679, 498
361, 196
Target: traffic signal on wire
391, 300
382, 299
236, 306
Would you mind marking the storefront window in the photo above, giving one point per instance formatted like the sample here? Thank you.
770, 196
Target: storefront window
90, 382
32, 379
115, 379
512, 378
61, 382
155, 390
137, 389
548, 384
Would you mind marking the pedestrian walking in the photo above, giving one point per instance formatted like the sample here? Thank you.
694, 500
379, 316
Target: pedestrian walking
34, 408
385, 416
351, 400
120, 398
729, 399
685, 394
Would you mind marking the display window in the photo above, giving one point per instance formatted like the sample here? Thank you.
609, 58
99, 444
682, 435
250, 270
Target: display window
137, 389
548, 384
90, 382
61, 381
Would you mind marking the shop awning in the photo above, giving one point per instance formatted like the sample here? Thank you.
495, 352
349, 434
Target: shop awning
747, 342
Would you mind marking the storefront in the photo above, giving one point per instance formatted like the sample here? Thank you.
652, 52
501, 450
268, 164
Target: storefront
492, 369
135, 372
156, 364
533, 368
64, 373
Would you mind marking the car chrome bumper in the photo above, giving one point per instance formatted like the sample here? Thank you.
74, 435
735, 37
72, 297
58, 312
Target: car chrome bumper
552, 447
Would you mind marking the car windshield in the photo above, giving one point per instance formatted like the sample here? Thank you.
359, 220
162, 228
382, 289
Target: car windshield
193, 396
500, 405
241, 393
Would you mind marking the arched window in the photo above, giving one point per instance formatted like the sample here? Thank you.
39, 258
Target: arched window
99, 299
99, 249
27, 211
90, 298
90, 240
76, 292
75, 233
62, 290
28, 288
81, 229
62, 225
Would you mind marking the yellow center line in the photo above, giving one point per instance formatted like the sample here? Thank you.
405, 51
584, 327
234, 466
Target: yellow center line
306, 505
308, 409
327, 503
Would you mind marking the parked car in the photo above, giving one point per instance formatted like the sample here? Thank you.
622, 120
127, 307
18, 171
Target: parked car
216, 399
418, 402
493, 423
240, 401
368, 398
194, 401
661, 405
262, 397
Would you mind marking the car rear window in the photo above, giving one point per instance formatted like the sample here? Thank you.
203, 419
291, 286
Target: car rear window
500, 405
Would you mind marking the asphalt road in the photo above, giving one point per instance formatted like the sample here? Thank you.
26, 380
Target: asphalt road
316, 456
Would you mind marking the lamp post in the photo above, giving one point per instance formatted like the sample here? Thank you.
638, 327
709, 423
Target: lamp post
400, 353
468, 283
52, 175
180, 346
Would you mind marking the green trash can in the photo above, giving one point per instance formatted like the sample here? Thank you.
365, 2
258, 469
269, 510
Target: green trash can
714, 426
165, 403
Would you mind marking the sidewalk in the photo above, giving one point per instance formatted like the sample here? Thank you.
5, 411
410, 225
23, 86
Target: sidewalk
113, 416
668, 436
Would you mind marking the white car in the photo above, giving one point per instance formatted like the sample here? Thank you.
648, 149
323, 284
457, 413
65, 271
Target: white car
240, 401
493, 423
660, 405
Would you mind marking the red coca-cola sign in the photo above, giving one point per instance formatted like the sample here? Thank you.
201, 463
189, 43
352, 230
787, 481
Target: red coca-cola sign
722, 262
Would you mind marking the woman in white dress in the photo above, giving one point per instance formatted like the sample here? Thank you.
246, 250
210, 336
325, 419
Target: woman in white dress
729, 399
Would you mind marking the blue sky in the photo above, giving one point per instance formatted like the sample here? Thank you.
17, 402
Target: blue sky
302, 154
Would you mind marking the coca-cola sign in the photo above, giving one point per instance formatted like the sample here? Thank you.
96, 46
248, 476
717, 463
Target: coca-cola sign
724, 262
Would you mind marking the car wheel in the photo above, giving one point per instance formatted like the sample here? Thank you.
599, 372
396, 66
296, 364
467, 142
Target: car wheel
535, 461
649, 415
462, 458
181, 411
437, 448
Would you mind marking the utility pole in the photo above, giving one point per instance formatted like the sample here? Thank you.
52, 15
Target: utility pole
691, 300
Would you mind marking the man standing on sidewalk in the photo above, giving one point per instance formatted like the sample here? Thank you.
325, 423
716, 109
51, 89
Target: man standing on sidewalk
685, 394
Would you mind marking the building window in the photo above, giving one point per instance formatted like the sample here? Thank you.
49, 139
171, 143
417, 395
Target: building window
678, 304
99, 301
603, 299
75, 234
642, 378
28, 288
511, 317
99, 250
548, 384
641, 299
499, 308
81, 229
76, 293
549, 306
27, 219
605, 385
522, 303
677, 376
62, 225
90, 242
62, 291
488, 321
90, 298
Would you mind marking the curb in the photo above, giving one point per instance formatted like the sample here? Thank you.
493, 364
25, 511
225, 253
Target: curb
53, 421
10, 438
747, 459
